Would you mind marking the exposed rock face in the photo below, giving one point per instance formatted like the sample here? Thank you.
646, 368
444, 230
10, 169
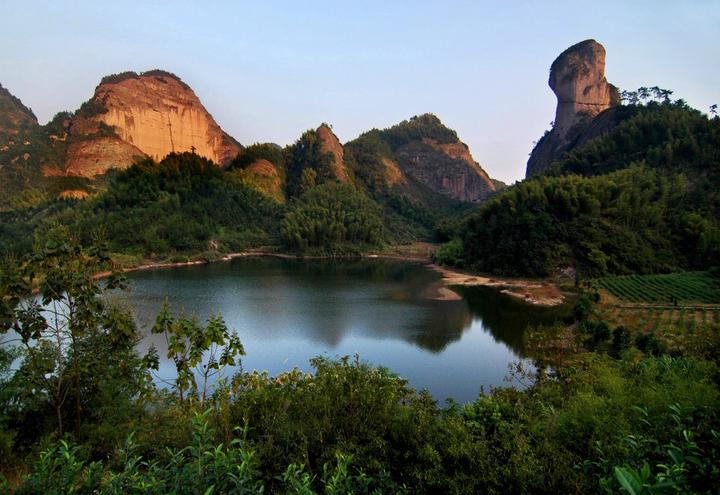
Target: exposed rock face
153, 113
577, 77
14, 116
393, 175
73, 194
419, 158
331, 144
91, 157
447, 168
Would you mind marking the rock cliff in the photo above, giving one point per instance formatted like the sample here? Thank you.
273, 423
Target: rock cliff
153, 113
330, 143
419, 158
446, 168
577, 77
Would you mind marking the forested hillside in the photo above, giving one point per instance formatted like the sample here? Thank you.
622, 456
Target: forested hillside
644, 197
183, 204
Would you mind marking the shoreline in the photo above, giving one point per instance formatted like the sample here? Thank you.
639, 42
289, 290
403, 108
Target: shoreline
533, 292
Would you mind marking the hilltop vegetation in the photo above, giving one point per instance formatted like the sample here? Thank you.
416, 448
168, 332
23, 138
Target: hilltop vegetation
185, 206
642, 198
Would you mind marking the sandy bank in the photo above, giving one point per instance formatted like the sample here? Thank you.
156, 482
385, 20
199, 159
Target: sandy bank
539, 293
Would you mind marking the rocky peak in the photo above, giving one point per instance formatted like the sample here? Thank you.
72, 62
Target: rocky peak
330, 143
153, 113
577, 77
432, 154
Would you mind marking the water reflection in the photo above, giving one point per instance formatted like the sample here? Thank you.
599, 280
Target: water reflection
288, 311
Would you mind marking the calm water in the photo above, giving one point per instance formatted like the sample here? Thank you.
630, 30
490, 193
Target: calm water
288, 311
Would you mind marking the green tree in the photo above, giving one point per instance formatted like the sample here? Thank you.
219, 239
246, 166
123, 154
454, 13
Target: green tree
62, 330
333, 218
197, 350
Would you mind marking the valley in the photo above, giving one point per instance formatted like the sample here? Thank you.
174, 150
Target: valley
184, 313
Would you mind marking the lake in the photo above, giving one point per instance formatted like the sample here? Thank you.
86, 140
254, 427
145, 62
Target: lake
289, 311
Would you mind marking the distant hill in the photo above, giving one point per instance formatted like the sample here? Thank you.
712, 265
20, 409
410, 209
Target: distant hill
418, 156
418, 171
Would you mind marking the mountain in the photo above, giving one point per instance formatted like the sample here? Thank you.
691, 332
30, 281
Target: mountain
25, 148
152, 113
577, 77
415, 176
634, 189
419, 158
130, 116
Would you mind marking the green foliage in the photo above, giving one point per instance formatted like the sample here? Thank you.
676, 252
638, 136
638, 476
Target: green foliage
78, 364
259, 151
91, 108
197, 350
307, 154
648, 201
183, 204
683, 464
333, 218
451, 253
419, 127
671, 288
199, 468
667, 135
632, 220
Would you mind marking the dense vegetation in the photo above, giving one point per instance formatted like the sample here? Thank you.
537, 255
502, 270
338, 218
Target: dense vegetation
259, 151
646, 200
332, 218
308, 163
81, 415
183, 204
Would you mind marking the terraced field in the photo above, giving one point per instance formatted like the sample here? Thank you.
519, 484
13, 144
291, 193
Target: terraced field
674, 288
659, 319
678, 307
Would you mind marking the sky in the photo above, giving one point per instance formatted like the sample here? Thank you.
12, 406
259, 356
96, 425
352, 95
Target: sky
267, 71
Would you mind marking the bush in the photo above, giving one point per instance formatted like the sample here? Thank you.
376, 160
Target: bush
451, 253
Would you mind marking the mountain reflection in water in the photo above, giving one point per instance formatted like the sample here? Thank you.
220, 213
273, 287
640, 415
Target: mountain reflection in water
288, 311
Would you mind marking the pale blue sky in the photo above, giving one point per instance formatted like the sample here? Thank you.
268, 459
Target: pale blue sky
269, 70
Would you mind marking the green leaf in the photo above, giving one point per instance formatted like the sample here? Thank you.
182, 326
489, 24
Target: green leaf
628, 480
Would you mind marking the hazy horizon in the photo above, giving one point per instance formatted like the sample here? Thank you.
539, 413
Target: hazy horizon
269, 72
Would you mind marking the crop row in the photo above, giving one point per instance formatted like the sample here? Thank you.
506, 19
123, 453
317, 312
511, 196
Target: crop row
685, 287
